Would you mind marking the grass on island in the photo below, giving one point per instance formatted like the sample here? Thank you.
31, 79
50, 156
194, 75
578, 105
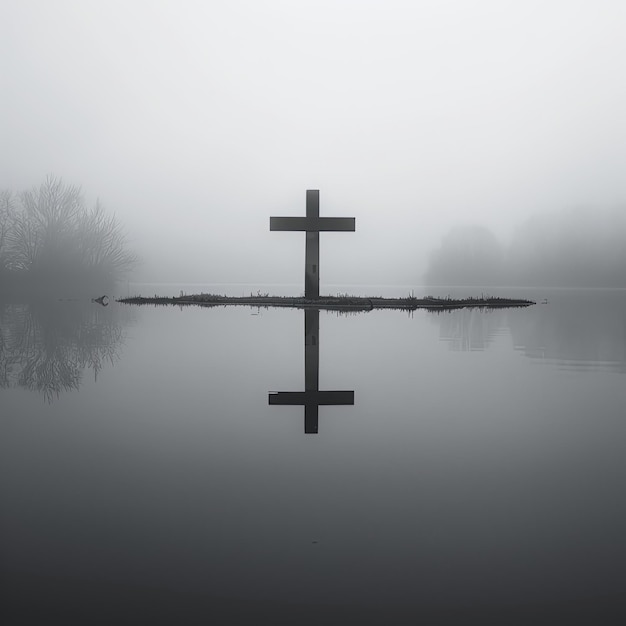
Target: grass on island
340, 301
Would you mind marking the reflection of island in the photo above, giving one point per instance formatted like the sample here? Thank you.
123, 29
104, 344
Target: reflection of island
45, 348
311, 398
469, 329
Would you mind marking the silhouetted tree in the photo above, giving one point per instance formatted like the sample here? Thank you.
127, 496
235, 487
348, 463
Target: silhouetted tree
574, 247
49, 238
570, 248
7, 208
468, 255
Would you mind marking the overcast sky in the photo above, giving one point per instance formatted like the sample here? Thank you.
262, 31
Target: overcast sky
194, 121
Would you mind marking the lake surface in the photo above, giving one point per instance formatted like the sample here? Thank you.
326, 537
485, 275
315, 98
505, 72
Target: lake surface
478, 475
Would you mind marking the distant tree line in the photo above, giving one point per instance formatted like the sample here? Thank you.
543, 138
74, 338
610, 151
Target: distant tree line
49, 240
571, 248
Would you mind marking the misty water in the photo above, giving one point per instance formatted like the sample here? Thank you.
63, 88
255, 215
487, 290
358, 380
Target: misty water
479, 473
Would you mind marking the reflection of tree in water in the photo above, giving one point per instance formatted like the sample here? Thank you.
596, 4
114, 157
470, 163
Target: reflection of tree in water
469, 329
45, 348
578, 327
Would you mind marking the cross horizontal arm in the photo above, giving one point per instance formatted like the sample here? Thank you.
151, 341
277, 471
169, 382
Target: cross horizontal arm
314, 224
311, 397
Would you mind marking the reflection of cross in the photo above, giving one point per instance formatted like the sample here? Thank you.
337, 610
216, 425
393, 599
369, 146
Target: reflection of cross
313, 224
311, 398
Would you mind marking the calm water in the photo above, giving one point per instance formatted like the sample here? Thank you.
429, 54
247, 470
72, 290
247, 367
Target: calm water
479, 474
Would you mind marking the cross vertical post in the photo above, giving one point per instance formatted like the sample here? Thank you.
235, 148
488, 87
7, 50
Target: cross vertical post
312, 247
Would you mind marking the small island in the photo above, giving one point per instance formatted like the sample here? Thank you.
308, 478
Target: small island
339, 302
312, 224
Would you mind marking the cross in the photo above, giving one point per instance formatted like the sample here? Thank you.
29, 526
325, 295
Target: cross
311, 398
313, 224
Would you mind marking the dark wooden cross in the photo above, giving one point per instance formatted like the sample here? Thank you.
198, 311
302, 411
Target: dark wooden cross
313, 224
311, 398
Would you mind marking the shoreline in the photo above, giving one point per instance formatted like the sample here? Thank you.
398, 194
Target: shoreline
341, 303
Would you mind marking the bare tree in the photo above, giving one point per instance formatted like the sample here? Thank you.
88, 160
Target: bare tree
102, 243
48, 236
7, 210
